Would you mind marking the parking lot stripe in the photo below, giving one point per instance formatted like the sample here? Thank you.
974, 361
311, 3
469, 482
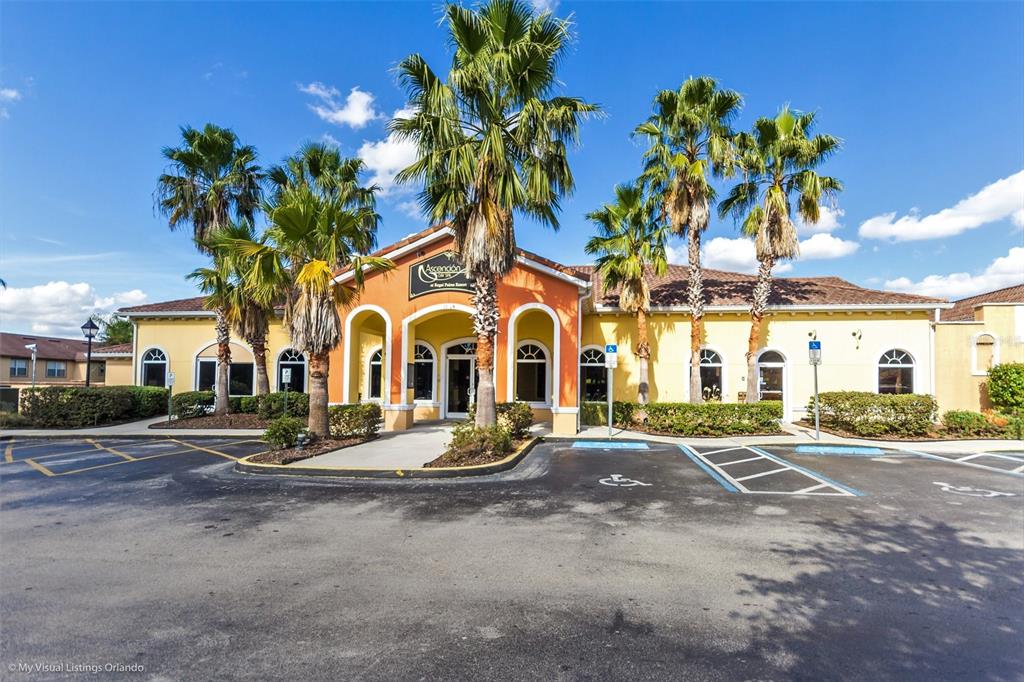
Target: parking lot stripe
692, 454
202, 449
110, 450
1017, 470
9, 453
715, 452
811, 489
950, 460
38, 467
739, 461
811, 474
763, 473
112, 464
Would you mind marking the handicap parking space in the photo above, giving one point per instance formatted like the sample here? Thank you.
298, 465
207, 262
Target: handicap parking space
755, 471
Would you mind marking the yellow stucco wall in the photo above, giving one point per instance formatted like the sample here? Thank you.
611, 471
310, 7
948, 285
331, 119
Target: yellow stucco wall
849, 363
959, 379
119, 372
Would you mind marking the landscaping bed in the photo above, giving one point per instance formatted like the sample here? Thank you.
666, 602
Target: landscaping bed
223, 421
449, 459
936, 433
472, 446
707, 420
295, 454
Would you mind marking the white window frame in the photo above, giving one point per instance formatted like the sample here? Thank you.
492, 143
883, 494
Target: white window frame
20, 364
60, 369
304, 363
975, 370
195, 371
446, 353
370, 362
599, 349
786, 398
432, 401
166, 362
721, 365
548, 387
913, 367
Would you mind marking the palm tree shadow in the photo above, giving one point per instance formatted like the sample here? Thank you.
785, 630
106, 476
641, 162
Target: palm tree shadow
905, 600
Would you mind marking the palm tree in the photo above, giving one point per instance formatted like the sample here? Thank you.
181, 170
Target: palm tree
491, 143
689, 140
220, 292
630, 244
312, 235
210, 178
779, 159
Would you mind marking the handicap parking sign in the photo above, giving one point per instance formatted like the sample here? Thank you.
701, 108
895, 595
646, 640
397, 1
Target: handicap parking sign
611, 348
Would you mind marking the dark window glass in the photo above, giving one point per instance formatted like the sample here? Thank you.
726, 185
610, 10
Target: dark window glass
896, 380
19, 368
207, 375
298, 383
531, 382
375, 379
240, 378
56, 369
154, 374
423, 380
595, 383
711, 382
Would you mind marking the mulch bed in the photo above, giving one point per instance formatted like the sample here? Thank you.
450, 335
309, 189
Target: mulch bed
934, 434
446, 461
319, 447
225, 421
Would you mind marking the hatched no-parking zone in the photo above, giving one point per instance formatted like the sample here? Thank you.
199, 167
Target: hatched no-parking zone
754, 471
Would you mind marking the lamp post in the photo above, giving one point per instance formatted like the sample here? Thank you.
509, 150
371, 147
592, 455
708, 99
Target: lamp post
90, 329
32, 347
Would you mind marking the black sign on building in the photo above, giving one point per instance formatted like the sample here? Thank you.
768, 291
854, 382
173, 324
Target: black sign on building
442, 272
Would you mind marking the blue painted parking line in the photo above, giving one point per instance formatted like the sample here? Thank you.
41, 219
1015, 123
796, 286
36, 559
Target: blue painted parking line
609, 445
708, 470
839, 450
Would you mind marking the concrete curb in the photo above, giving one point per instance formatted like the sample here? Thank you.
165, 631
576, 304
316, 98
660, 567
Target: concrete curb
246, 467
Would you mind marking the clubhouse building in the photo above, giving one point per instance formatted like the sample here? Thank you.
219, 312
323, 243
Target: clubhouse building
408, 341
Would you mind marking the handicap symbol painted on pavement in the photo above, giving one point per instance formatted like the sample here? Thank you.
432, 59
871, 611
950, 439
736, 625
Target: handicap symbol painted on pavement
969, 491
618, 481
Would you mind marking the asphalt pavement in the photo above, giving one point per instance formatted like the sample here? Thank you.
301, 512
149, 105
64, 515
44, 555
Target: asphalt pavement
646, 561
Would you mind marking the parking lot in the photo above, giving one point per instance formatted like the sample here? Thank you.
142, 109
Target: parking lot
646, 560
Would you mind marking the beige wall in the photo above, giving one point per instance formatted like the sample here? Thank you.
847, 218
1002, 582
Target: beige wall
960, 376
117, 372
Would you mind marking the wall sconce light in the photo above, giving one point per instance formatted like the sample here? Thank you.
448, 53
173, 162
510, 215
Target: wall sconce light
813, 335
857, 337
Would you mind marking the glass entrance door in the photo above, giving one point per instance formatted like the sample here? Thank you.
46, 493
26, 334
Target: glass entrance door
771, 383
461, 386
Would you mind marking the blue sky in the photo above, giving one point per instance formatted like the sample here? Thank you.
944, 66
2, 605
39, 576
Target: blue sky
928, 98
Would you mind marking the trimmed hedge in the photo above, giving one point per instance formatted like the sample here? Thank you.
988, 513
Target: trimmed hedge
76, 406
150, 401
596, 413
469, 444
193, 404
873, 414
1006, 386
516, 417
714, 419
272, 405
283, 432
966, 423
360, 419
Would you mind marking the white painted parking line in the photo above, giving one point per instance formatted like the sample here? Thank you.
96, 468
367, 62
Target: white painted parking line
964, 462
715, 452
968, 458
738, 461
811, 489
763, 473
823, 486
1017, 470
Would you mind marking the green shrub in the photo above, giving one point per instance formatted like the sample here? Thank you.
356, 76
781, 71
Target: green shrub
966, 423
283, 432
595, 413
356, 420
13, 420
272, 405
149, 400
873, 414
471, 444
714, 419
192, 404
516, 417
1015, 424
249, 404
74, 407
1006, 386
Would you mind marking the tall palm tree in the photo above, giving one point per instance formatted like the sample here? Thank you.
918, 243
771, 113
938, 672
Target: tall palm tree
491, 144
689, 141
630, 245
310, 237
210, 177
779, 159
220, 292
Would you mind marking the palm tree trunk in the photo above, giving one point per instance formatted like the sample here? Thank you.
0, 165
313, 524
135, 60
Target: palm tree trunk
695, 298
485, 323
643, 353
319, 367
259, 353
222, 404
759, 303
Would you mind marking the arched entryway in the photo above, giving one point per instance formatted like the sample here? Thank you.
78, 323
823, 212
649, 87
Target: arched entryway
367, 344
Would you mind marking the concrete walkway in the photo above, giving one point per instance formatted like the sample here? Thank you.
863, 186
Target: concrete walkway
798, 435
139, 428
409, 449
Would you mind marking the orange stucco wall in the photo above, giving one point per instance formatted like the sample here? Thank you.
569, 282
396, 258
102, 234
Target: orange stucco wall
524, 285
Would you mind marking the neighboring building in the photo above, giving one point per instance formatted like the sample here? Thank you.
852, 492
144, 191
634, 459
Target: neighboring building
408, 341
970, 338
59, 362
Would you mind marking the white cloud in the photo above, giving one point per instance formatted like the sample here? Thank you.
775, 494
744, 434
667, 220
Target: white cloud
356, 111
828, 221
1000, 200
824, 246
384, 158
540, 6
9, 95
59, 307
411, 209
327, 138
1002, 272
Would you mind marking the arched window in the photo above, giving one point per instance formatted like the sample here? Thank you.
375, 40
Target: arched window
294, 361
423, 373
154, 368
531, 373
711, 375
985, 354
593, 375
896, 372
771, 376
374, 374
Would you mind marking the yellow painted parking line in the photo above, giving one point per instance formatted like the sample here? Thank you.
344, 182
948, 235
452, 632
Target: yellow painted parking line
202, 449
111, 450
112, 464
9, 453
38, 467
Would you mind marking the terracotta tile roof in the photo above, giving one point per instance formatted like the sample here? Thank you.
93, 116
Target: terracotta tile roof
114, 349
963, 310
181, 305
734, 289
48, 347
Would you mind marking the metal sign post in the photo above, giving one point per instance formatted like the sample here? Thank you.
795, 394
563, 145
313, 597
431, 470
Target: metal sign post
286, 379
170, 390
611, 361
814, 349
